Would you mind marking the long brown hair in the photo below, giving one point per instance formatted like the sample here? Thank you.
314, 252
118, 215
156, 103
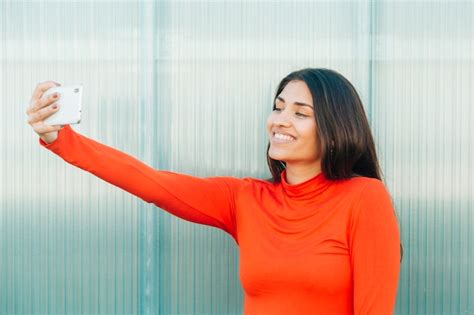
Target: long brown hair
343, 132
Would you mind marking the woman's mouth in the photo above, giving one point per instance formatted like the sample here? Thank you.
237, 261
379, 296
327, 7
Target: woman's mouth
281, 138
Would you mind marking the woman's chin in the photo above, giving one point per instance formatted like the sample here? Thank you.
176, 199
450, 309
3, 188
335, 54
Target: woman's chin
279, 156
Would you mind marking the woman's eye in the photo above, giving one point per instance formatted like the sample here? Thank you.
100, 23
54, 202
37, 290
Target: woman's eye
297, 114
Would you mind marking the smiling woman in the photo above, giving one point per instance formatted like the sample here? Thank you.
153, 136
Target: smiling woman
320, 238
292, 130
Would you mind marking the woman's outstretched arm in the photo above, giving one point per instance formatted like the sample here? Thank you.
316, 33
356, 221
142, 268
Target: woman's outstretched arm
209, 200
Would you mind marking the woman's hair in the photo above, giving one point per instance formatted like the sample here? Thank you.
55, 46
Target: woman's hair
342, 130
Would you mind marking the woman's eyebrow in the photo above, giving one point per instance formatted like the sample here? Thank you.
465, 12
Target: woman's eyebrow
296, 103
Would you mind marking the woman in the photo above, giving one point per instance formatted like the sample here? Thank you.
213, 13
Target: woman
320, 237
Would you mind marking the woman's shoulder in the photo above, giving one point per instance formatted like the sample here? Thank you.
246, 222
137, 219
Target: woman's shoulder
254, 181
258, 185
364, 186
360, 180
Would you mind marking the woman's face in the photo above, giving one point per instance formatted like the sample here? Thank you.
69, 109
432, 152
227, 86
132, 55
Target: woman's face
294, 119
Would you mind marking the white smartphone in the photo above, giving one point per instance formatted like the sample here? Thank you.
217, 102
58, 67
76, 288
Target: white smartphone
70, 105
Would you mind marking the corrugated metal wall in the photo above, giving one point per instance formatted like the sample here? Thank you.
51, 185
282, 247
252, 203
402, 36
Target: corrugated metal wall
186, 86
69, 243
422, 115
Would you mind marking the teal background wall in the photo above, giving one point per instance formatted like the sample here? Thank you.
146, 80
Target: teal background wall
187, 86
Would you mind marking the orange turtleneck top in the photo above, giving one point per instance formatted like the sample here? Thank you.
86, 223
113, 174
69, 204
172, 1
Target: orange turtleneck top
317, 247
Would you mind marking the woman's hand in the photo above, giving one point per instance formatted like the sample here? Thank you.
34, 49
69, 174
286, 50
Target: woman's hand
40, 109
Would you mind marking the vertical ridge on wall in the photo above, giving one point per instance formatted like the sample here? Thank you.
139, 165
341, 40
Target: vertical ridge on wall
149, 145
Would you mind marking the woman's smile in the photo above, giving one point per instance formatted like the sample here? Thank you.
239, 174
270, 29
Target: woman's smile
278, 138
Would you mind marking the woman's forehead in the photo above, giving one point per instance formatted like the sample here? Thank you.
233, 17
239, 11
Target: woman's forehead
296, 92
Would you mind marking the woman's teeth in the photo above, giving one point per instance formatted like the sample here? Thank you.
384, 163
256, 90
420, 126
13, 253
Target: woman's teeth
283, 137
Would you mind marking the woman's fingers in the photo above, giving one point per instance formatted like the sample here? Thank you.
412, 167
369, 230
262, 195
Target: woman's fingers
41, 108
42, 114
36, 102
39, 104
41, 88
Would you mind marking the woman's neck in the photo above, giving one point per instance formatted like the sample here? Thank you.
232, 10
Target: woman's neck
298, 173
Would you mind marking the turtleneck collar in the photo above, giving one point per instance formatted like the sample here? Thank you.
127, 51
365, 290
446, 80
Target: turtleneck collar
307, 189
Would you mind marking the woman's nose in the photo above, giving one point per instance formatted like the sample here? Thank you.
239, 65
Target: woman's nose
282, 118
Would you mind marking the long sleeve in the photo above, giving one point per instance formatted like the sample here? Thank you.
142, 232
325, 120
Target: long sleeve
375, 251
209, 201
